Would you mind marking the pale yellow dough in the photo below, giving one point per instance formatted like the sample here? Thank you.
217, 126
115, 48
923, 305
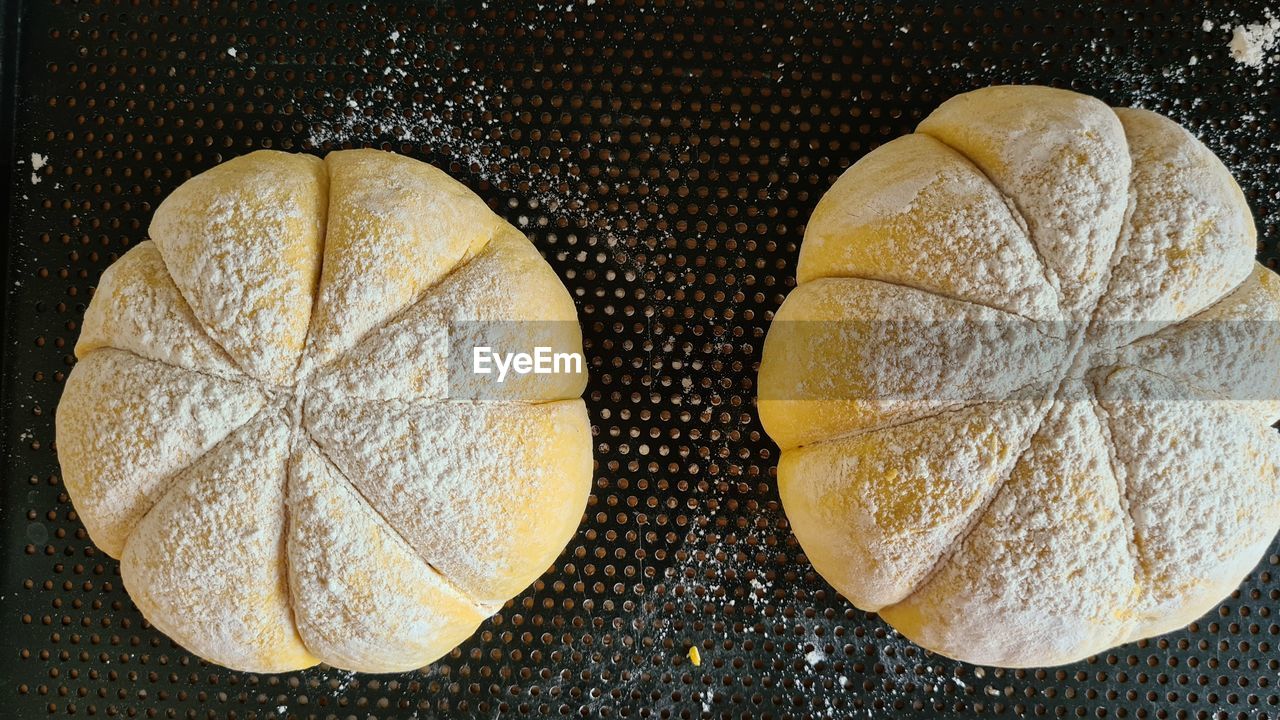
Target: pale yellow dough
264, 424
1024, 387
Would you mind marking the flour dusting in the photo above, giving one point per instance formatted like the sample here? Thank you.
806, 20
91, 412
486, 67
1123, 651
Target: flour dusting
1251, 44
38, 161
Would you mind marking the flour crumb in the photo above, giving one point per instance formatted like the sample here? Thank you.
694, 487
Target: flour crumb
1250, 44
231, 51
1207, 26
815, 656
37, 161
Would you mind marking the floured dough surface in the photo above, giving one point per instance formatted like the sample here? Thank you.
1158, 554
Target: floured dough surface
266, 424
1024, 388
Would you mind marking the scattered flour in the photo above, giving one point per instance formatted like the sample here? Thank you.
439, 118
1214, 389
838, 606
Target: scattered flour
376, 115
1251, 44
38, 161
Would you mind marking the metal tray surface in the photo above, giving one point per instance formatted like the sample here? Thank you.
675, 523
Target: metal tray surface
664, 156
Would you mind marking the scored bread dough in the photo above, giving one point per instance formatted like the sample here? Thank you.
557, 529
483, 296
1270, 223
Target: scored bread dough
1042, 562
269, 426
406, 358
892, 504
851, 354
362, 596
430, 468
206, 563
1024, 387
242, 242
133, 424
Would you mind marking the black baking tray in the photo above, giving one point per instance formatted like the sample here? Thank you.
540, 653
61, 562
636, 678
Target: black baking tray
664, 156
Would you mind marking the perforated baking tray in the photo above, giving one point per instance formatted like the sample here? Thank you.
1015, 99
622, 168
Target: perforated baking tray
664, 155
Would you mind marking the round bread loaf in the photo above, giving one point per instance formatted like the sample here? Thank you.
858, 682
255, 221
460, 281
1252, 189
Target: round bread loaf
264, 428
1025, 385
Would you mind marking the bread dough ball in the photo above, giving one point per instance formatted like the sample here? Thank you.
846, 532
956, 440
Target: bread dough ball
266, 425
1024, 387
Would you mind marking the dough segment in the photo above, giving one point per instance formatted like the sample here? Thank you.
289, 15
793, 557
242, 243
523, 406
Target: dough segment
919, 214
127, 425
1062, 159
206, 565
845, 355
1044, 577
138, 308
361, 597
1189, 241
506, 296
385, 208
430, 468
1230, 350
888, 506
1200, 520
242, 242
